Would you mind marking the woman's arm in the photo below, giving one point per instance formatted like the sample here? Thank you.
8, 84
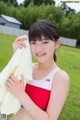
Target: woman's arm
59, 93
58, 96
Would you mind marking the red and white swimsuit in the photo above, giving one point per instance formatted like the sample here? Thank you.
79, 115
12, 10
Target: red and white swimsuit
39, 90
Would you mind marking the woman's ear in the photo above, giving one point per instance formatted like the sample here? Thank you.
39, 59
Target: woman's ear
58, 43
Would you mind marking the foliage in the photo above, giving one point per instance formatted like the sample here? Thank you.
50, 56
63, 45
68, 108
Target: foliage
75, 27
26, 3
70, 27
38, 2
2, 7
14, 2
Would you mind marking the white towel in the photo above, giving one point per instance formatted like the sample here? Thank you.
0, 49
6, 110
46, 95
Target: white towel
19, 64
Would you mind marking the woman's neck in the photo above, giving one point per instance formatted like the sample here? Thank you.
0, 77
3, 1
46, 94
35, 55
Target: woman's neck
49, 65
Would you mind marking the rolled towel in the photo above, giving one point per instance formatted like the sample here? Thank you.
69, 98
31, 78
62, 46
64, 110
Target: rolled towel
19, 64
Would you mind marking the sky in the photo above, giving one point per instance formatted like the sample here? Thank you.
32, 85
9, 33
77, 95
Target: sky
73, 5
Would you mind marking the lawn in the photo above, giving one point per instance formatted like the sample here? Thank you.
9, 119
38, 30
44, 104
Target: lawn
68, 58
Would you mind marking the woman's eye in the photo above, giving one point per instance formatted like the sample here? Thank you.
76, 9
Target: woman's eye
32, 43
45, 42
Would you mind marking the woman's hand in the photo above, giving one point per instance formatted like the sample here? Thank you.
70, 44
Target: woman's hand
15, 86
18, 43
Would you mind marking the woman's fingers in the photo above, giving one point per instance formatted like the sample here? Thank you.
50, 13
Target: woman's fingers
19, 43
22, 79
11, 79
21, 38
9, 82
15, 86
14, 78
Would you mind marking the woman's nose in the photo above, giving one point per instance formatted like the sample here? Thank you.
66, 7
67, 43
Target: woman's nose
39, 48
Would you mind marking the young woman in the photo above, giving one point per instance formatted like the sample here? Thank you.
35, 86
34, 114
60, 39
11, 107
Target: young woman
44, 97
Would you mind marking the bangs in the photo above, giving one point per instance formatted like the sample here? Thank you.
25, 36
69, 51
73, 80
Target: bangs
35, 33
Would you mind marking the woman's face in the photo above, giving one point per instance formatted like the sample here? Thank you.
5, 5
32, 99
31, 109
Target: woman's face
43, 49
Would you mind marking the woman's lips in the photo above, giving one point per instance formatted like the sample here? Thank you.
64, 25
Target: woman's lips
40, 55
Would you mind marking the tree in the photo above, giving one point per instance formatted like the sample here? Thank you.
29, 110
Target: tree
67, 9
50, 2
38, 2
2, 8
14, 2
26, 3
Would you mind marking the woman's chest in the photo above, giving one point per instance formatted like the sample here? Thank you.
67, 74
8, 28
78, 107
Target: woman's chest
39, 75
39, 94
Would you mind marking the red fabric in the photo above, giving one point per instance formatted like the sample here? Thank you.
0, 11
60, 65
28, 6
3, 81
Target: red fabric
40, 96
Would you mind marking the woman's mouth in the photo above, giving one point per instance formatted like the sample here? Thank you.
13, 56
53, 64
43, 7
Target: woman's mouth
40, 55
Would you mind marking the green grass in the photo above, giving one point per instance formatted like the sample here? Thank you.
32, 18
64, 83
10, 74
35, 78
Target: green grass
5, 49
68, 58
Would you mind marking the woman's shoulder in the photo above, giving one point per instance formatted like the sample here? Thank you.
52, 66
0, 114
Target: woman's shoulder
62, 74
61, 77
